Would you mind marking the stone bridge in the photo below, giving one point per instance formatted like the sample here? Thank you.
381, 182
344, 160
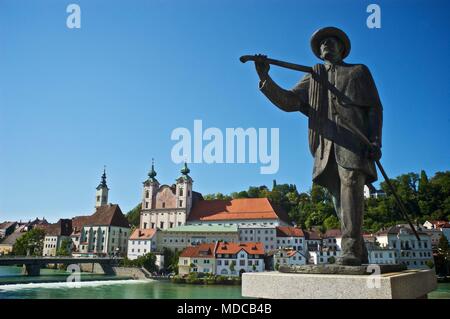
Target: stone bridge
32, 265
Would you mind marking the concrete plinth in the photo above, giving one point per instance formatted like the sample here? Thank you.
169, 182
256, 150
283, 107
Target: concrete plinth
409, 284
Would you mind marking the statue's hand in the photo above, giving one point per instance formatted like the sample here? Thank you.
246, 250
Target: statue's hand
374, 151
262, 67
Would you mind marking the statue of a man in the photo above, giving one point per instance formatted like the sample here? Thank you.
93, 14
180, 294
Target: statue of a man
334, 94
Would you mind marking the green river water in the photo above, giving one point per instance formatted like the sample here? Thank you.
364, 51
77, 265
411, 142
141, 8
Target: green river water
51, 285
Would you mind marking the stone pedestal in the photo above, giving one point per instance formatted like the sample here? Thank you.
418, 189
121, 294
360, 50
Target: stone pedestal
408, 284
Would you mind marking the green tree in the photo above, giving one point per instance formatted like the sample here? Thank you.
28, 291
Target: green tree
65, 247
171, 260
134, 215
148, 261
232, 266
331, 222
30, 244
443, 256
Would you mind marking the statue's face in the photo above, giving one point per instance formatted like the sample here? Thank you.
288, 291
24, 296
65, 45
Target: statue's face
331, 49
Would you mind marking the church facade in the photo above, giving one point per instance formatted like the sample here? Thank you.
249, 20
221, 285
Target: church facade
167, 206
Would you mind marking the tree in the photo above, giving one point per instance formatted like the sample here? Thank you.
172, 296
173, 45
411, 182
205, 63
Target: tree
442, 258
134, 215
147, 261
171, 260
232, 264
65, 247
254, 267
331, 222
30, 244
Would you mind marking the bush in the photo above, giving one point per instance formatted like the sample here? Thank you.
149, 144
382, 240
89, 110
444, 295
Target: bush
148, 261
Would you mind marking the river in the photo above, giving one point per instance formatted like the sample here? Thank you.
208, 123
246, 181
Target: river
16, 286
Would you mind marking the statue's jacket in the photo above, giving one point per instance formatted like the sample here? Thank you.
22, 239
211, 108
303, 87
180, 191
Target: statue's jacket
331, 96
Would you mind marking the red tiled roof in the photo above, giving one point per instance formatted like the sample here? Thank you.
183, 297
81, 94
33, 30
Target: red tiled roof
143, 234
201, 251
312, 235
234, 248
107, 215
333, 233
242, 208
289, 231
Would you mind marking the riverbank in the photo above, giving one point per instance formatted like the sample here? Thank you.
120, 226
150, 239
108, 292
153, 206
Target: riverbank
207, 280
101, 287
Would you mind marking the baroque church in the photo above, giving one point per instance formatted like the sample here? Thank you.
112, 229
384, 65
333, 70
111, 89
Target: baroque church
164, 206
169, 206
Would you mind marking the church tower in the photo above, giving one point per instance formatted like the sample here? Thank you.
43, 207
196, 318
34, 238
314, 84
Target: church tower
101, 195
184, 190
151, 186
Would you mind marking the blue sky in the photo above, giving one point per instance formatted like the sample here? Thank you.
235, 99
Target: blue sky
111, 92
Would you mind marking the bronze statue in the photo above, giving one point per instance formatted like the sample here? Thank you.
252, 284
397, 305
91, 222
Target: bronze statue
340, 101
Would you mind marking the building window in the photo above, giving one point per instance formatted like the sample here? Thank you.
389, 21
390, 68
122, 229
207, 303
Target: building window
181, 203
163, 205
161, 224
171, 225
146, 204
153, 225
181, 192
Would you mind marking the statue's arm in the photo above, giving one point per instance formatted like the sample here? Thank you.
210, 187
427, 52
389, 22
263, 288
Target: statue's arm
292, 100
375, 110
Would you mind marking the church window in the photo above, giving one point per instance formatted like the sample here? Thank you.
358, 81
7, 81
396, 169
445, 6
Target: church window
163, 205
146, 204
161, 225
98, 198
181, 192
171, 225
189, 193
181, 203
147, 194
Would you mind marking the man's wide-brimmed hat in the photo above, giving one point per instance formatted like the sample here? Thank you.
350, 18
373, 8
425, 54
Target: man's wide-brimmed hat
323, 33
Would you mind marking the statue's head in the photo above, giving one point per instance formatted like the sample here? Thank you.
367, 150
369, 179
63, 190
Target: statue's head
331, 44
331, 49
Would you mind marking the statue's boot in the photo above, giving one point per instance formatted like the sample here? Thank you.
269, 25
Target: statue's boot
352, 252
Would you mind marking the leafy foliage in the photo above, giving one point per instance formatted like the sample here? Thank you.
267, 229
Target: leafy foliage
134, 215
425, 199
65, 247
171, 260
32, 243
148, 261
